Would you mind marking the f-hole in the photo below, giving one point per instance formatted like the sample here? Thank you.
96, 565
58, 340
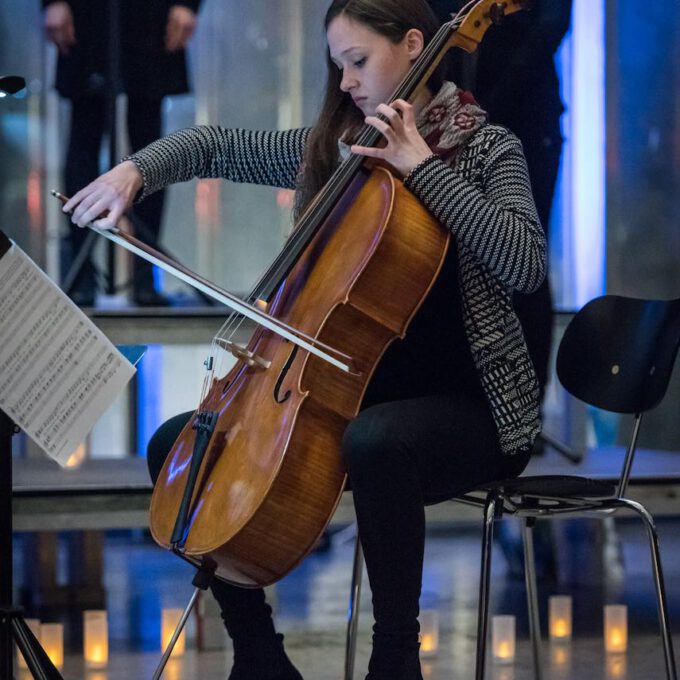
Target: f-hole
284, 371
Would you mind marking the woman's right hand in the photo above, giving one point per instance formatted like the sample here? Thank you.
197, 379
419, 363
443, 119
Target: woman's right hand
109, 196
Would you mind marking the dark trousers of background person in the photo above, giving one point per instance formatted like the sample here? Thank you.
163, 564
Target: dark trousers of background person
400, 456
88, 121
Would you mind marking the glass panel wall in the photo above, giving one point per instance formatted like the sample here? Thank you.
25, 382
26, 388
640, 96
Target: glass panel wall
643, 169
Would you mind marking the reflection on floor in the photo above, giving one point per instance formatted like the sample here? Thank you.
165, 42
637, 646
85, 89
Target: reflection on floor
310, 608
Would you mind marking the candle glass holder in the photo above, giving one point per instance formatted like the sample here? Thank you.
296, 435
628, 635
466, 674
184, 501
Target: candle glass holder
429, 632
615, 628
95, 638
169, 620
52, 641
503, 639
559, 607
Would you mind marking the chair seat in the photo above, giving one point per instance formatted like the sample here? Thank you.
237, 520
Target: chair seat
557, 486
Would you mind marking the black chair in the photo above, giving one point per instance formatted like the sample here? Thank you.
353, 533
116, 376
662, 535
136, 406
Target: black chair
616, 354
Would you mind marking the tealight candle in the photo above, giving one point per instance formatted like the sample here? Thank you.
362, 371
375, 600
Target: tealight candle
615, 628
52, 641
169, 620
429, 632
559, 607
95, 638
503, 639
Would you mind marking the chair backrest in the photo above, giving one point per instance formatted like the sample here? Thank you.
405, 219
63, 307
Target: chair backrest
617, 353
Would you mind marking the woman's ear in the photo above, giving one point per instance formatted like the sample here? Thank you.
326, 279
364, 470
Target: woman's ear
415, 42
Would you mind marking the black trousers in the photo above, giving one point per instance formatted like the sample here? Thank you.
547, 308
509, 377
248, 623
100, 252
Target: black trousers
400, 455
88, 123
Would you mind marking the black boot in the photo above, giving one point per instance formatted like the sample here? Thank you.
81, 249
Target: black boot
263, 661
258, 649
394, 660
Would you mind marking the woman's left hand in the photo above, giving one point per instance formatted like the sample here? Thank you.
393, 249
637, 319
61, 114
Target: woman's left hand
405, 147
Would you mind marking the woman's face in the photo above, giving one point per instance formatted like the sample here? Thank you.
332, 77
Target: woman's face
371, 65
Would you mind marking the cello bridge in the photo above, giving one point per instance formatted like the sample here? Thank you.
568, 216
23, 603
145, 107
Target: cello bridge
240, 352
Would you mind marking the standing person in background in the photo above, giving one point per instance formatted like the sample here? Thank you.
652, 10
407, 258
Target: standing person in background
151, 65
514, 78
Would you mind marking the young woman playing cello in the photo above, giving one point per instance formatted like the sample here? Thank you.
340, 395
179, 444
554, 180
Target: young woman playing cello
454, 404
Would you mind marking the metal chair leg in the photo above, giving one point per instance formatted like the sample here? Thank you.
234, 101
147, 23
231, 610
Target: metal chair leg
176, 634
532, 596
662, 605
484, 583
353, 611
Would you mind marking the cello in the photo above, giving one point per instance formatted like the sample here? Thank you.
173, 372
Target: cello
254, 478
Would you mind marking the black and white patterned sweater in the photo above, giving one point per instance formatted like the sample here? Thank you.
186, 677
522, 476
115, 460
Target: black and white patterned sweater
486, 203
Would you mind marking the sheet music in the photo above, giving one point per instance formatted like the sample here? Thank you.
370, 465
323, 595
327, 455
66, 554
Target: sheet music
58, 371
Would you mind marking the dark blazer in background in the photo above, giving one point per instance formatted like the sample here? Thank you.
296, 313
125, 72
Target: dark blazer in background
513, 76
513, 73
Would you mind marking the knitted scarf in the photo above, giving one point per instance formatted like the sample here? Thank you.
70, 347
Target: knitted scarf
450, 119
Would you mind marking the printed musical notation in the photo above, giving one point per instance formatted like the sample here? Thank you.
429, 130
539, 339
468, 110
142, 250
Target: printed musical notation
58, 371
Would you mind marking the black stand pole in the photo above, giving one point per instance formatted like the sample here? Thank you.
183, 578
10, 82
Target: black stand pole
13, 627
114, 87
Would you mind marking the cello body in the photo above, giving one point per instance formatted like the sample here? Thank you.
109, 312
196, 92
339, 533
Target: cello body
272, 474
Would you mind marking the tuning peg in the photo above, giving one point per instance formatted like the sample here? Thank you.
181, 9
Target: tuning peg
497, 13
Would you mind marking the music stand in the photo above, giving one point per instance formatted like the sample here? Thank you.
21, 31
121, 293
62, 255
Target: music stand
13, 627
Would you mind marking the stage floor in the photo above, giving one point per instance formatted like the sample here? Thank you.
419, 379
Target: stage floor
310, 608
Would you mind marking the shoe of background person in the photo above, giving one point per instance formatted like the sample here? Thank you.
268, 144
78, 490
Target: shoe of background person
83, 298
150, 298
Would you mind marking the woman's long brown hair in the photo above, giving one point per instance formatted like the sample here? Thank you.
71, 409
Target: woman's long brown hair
339, 115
